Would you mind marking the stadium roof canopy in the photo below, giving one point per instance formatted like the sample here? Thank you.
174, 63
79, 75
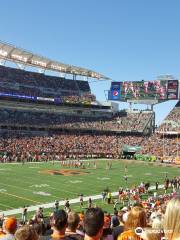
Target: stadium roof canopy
24, 57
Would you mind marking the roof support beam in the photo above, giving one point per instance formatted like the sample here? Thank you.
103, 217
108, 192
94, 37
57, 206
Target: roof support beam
26, 57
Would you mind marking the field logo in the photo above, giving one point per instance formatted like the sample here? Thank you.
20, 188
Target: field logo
64, 172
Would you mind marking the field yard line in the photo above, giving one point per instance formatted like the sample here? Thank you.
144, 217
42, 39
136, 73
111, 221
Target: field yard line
10, 185
24, 198
7, 206
25, 189
50, 182
47, 181
61, 203
31, 178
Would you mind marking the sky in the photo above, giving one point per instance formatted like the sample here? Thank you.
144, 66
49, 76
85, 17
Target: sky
125, 40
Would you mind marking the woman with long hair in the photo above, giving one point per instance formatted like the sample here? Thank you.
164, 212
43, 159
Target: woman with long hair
136, 219
172, 219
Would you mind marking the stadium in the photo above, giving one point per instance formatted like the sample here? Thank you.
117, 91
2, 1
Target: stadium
61, 147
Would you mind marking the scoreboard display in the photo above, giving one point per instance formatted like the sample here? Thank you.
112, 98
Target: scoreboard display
172, 91
160, 90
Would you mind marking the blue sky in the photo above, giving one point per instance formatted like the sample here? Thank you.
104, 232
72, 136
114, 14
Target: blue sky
125, 40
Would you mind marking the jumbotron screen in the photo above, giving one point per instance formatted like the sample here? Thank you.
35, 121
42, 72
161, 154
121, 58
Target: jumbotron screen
140, 90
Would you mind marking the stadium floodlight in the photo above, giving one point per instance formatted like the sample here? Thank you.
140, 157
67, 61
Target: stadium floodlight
166, 77
12, 53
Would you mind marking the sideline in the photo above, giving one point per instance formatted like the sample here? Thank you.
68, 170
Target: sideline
61, 203
59, 161
97, 159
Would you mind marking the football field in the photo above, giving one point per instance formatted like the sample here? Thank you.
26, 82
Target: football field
39, 183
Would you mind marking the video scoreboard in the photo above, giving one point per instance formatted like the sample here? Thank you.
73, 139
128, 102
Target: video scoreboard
161, 90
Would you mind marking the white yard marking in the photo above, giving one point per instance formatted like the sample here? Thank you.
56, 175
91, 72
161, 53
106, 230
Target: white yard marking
2, 190
39, 185
76, 181
31, 179
103, 178
18, 187
42, 193
7, 206
34, 167
148, 174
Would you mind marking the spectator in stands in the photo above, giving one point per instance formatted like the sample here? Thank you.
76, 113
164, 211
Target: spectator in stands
26, 232
125, 211
136, 218
107, 231
2, 233
115, 219
65, 145
10, 226
43, 230
73, 222
172, 219
36, 84
171, 122
120, 228
38, 215
93, 223
55, 120
59, 224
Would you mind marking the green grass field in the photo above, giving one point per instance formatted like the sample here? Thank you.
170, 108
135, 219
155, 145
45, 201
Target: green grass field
28, 185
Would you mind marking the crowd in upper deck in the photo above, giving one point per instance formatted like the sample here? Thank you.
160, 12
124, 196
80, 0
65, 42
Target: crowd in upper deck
172, 121
129, 121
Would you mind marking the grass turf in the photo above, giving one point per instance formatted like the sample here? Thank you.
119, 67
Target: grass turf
28, 185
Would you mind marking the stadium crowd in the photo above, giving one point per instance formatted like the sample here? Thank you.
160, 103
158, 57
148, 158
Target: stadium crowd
130, 121
20, 82
172, 122
60, 147
81, 145
85, 98
159, 145
155, 217
26, 79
